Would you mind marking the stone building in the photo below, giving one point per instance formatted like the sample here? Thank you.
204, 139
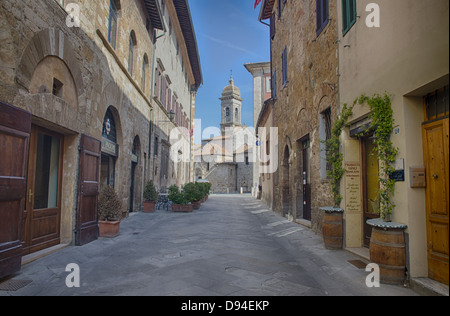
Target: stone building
262, 91
304, 90
76, 101
411, 64
226, 161
176, 81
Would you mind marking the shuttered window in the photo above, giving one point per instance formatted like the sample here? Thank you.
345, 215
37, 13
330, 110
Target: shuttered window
284, 68
112, 26
274, 84
437, 104
322, 15
348, 15
272, 26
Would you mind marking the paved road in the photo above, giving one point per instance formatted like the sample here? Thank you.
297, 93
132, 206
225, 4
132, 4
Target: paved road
232, 246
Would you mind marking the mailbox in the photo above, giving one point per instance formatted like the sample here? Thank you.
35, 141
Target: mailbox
418, 177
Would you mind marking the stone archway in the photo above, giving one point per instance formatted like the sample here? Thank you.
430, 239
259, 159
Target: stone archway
285, 183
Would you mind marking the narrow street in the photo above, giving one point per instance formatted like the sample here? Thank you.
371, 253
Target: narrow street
232, 246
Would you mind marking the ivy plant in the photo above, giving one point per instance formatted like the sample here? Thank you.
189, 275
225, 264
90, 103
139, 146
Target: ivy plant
382, 123
334, 154
381, 116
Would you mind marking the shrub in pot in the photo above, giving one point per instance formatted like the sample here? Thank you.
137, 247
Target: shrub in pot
150, 197
109, 212
194, 194
180, 203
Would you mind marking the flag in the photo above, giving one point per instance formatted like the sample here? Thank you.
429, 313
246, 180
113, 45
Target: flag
257, 2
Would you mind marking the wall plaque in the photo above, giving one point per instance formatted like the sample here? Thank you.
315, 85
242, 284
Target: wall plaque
353, 187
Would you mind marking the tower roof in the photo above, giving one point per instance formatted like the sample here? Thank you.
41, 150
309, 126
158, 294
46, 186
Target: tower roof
231, 90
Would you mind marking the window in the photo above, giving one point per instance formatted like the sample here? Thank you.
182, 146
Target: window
437, 104
156, 146
274, 84
348, 15
144, 71
112, 28
325, 135
132, 45
57, 88
236, 114
281, 4
272, 26
322, 15
284, 66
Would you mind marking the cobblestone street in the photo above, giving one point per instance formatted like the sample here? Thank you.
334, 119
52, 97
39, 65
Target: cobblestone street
232, 246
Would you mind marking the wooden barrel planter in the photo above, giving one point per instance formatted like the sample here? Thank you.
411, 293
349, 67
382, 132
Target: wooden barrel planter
332, 228
388, 250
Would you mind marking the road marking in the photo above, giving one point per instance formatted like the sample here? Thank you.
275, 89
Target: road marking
286, 232
260, 211
278, 223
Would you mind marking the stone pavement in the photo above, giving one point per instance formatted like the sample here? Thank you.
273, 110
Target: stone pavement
232, 246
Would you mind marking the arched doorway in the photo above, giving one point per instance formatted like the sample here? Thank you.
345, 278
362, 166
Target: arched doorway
285, 183
109, 150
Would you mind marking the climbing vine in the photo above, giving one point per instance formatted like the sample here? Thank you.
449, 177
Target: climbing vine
334, 154
382, 123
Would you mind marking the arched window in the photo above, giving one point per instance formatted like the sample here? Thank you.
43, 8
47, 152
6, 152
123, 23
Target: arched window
109, 150
227, 114
114, 7
144, 71
236, 114
132, 44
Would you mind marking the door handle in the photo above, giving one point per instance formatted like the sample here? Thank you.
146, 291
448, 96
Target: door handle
435, 176
30, 195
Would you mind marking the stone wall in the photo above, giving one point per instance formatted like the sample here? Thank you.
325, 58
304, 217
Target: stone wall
312, 68
37, 46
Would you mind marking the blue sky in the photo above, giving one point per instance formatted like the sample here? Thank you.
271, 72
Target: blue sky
229, 35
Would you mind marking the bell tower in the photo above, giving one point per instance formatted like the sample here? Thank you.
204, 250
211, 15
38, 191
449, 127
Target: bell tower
231, 107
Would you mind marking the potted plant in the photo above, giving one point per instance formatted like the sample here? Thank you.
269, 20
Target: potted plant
150, 197
109, 212
204, 188
194, 194
180, 203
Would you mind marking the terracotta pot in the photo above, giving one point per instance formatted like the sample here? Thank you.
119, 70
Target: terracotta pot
149, 207
182, 208
108, 229
196, 205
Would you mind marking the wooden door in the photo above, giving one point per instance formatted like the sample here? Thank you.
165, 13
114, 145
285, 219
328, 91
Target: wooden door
15, 128
371, 185
436, 151
306, 180
86, 229
42, 214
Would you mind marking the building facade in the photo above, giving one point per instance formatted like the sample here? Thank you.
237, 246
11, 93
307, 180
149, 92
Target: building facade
78, 75
262, 91
226, 161
304, 91
411, 64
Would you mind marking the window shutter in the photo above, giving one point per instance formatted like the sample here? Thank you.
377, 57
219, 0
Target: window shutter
274, 84
169, 100
157, 83
284, 66
322, 15
348, 15
272, 26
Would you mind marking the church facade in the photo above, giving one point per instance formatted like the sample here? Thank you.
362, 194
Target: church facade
226, 161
